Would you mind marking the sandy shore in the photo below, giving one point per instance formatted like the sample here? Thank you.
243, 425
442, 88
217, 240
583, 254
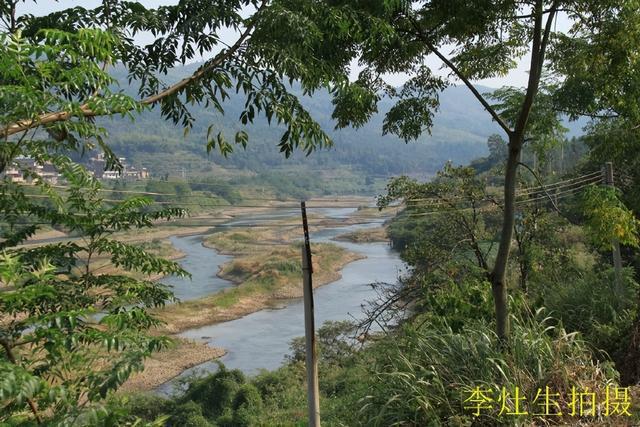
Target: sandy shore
167, 364
215, 308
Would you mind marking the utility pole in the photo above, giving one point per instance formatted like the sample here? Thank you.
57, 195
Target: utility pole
313, 393
617, 258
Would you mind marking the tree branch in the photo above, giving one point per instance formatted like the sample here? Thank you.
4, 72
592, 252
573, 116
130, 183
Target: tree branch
544, 188
586, 114
540, 42
532, 83
471, 87
553, 11
85, 110
420, 34
544, 12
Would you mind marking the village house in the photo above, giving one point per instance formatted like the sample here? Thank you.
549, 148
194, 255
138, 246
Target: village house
25, 169
98, 163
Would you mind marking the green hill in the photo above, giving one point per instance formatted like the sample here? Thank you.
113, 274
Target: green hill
460, 133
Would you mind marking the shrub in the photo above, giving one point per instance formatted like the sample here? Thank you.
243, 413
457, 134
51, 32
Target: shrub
189, 414
591, 306
215, 392
246, 405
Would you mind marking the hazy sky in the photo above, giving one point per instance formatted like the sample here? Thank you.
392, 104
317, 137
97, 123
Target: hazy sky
517, 77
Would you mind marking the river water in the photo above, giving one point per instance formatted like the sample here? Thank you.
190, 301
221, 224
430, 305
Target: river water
261, 340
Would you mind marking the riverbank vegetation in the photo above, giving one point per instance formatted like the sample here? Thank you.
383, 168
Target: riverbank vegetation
266, 267
379, 234
439, 360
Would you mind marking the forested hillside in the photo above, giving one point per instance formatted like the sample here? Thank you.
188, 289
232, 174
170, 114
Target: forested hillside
459, 134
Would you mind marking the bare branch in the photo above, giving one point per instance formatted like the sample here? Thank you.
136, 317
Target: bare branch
420, 34
586, 114
544, 188
471, 87
544, 12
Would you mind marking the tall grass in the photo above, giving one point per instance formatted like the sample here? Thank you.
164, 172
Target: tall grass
425, 378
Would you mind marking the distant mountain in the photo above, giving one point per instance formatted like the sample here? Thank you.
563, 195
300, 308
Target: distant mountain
459, 134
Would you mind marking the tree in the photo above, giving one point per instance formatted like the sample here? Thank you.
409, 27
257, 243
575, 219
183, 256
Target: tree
69, 332
446, 235
497, 151
69, 335
485, 39
497, 147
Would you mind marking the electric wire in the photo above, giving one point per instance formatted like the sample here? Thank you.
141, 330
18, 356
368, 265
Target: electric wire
557, 196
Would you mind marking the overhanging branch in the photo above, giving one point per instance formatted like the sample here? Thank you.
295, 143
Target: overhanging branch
85, 110
420, 34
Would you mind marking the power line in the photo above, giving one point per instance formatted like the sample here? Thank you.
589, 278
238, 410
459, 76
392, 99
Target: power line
553, 184
559, 195
524, 191
561, 186
441, 201
431, 203
556, 186
329, 224
150, 193
204, 205
427, 201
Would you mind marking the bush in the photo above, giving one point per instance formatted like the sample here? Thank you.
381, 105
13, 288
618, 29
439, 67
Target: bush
458, 302
335, 343
144, 405
591, 306
189, 414
215, 392
246, 404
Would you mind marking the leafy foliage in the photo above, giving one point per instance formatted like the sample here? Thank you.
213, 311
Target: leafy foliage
224, 398
69, 334
249, 66
608, 218
458, 210
545, 130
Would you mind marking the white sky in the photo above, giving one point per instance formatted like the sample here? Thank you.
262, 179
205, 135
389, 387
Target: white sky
516, 77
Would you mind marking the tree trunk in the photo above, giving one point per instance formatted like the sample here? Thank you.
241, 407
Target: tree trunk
498, 282
524, 273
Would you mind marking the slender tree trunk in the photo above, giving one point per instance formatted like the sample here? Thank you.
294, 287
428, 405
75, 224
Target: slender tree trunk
524, 266
498, 282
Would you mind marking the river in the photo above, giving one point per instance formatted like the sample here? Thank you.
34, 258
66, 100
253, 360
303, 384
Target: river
261, 340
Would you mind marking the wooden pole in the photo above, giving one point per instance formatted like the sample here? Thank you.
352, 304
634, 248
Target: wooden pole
313, 393
617, 258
